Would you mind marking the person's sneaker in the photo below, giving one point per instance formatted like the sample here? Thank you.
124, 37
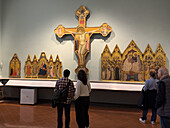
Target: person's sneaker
152, 122
143, 121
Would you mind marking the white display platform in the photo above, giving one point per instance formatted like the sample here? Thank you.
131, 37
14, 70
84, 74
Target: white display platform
1, 84
31, 83
117, 86
101, 85
28, 96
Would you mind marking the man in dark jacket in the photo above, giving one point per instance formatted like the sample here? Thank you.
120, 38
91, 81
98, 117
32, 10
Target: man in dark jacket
163, 97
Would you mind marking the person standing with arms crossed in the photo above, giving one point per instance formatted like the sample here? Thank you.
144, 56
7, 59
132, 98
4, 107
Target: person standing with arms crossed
82, 100
163, 97
61, 84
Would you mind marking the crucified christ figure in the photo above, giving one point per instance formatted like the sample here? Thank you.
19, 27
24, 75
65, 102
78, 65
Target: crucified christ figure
82, 35
82, 43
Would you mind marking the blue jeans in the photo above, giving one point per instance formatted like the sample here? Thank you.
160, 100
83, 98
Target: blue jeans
165, 122
153, 117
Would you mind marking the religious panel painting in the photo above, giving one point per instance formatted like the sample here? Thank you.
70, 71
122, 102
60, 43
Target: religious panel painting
42, 66
116, 61
15, 67
51, 68
58, 68
35, 67
132, 69
106, 64
28, 67
160, 58
148, 61
132, 65
82, 35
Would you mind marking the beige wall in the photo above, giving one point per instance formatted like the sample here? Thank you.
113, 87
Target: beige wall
28, 29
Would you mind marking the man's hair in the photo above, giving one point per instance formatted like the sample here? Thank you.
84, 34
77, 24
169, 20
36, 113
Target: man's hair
152, 74
66, 73
164, 71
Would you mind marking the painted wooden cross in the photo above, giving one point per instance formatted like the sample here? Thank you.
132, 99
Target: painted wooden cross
82, 36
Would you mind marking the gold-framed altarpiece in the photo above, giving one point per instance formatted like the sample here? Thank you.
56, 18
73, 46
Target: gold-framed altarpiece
43, 68
132, 64
34, 67
15, 67
28, 67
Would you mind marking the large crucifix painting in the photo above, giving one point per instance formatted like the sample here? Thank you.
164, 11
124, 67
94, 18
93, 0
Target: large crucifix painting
81, 35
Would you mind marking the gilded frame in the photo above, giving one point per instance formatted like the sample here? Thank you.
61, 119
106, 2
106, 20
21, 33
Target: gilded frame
35, 67
126, 62
15, 67
148, 61
57, 68
50, 69
116, 60
105, 64
42, 66
28, 67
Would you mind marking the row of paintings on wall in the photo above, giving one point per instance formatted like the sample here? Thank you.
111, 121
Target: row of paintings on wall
132, 64
41, 68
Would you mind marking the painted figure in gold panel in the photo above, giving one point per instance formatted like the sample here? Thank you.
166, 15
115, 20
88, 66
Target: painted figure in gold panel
15, 67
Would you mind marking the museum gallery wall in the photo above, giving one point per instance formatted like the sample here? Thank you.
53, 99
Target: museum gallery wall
26, 34
131, 65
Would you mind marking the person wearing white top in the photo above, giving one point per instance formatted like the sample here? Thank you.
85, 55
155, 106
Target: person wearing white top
82, 100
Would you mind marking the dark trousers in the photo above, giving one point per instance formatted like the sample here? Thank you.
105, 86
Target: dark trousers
153, 117
60, 107
82, 107
165, 122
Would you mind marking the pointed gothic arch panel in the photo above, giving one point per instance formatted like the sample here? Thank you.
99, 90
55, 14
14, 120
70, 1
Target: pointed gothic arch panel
148, 61
57, 68
51, 67
35, 67
106, 64
116, 62
160, 56
28, 67
42, 66
132, 66
15, 67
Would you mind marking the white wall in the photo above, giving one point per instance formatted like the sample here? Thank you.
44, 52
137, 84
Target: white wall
28, 29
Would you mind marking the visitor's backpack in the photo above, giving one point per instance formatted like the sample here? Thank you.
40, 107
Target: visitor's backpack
60, 95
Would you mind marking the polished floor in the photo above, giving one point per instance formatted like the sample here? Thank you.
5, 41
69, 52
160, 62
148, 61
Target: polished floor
42, 115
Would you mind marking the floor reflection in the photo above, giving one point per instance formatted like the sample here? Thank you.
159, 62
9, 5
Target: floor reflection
42, 115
